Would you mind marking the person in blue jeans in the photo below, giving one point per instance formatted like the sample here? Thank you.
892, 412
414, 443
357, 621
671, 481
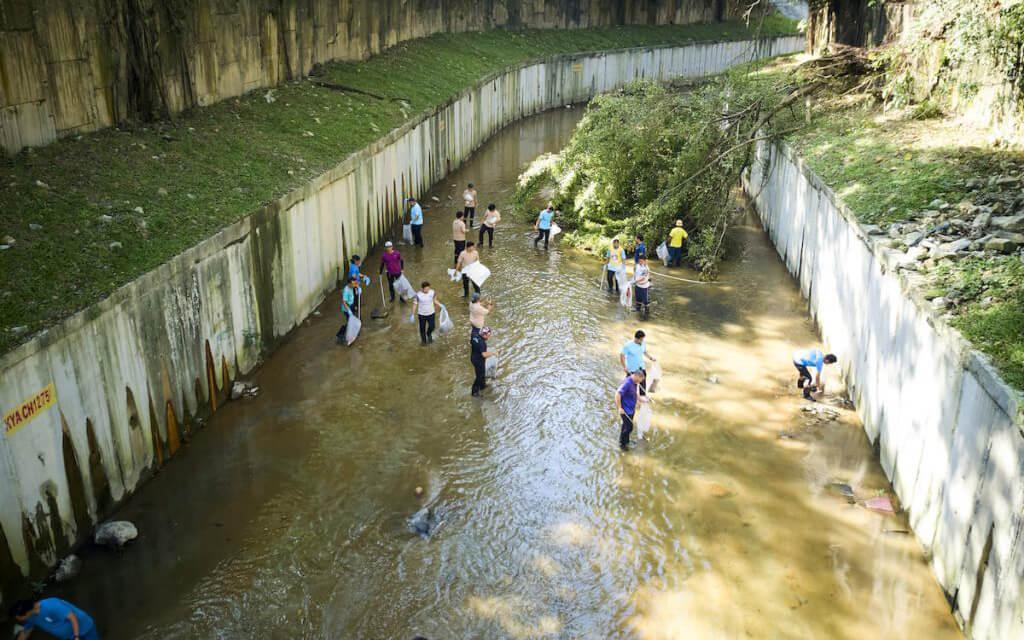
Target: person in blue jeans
805, 359
416, 221
53, 616
625, 402
543, 225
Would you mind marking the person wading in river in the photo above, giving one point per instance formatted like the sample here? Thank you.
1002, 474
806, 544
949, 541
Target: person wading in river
676, 237
469, 203
466, 258
640, 249
354, 271
811, 358
416, 222
642, 280
478, 355
543, 225
426, 301
615, 261
491, 219
349, 300
478, 311
391, 261
632, 355
458, 235
55, 617
625, 402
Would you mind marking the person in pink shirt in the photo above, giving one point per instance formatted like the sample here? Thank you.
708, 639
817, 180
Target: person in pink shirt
391, 261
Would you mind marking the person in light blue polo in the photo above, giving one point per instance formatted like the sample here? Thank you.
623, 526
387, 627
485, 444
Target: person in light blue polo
543, 225
805, 359
416, 221
632, 357
55, 617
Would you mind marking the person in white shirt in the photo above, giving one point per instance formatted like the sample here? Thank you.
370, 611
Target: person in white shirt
642, 280
469, 200
426, 302
491, 219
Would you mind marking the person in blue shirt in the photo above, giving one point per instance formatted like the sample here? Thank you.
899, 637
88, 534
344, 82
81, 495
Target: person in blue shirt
543, 226
349, 308
805, 359
625, 402
53, 616
416, 221
632, 357
639, 250
354, 271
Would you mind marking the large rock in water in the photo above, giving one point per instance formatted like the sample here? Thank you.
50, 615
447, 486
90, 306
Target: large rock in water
115, 534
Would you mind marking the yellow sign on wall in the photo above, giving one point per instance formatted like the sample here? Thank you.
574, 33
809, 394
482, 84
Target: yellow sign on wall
577, 68
25, 412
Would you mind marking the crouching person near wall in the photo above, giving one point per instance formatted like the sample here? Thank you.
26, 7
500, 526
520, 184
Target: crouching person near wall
55, 617
805, 359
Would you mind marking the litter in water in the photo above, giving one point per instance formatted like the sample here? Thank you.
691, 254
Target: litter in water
880, 504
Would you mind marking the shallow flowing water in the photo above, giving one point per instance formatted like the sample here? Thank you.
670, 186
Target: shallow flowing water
286, 516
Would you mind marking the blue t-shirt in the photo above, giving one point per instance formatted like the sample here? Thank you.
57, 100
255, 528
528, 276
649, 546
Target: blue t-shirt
53, 619
544, 219
810, 358
641, 250
627, 391
416, 214
353, 272
634, 355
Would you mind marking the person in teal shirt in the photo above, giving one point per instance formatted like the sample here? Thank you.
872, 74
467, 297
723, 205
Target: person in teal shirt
632, 357
349, 296
55, 617
543, 225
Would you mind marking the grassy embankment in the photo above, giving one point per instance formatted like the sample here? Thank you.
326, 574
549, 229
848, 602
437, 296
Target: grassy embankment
160, 189
901, 166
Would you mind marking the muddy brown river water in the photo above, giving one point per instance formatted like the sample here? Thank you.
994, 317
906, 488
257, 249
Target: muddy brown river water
286, 516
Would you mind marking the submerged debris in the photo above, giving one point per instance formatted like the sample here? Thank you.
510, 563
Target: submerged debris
115, 534
68, 568
240, 389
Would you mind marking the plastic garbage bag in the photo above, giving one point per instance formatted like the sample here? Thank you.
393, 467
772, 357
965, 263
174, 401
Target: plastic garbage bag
352, 330
625, 290
454, 275
412, 318
478, 273
642, 418
555, 230
407, 233
490, 366
662, 252
445, 324
404, 289
653, 377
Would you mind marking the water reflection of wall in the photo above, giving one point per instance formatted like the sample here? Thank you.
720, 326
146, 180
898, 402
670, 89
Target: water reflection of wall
131, 371
947, 428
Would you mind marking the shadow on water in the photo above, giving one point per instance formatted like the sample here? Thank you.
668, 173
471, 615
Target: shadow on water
288, 516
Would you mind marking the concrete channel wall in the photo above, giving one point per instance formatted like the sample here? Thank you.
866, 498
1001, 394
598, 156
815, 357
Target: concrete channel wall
129, 373
948, 430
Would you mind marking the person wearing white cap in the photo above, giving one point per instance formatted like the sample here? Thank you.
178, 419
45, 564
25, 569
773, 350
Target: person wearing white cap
391, 261
676, 237
478, 355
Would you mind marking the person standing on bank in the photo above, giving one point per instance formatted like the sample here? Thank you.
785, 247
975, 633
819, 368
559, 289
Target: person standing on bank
468, 256
491, 219
632, 357
625, 402
459, 235
416, 221
639, 250
478, 355
642, 280
543, 226
615, 261
426, 303
469, 202
811, 358
391, 262
349, 308
478, 311
55, 617
676, 237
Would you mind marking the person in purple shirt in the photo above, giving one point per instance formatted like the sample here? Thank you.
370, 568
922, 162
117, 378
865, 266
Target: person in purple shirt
55, 617
391, 261
625, 402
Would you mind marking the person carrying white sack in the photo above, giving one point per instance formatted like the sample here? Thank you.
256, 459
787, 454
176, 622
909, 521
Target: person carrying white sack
468, 256
348, 306
426, 303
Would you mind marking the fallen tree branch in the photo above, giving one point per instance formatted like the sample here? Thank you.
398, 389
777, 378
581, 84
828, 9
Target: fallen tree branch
347, 89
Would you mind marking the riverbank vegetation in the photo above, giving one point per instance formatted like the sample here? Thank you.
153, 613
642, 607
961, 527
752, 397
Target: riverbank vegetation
83, 216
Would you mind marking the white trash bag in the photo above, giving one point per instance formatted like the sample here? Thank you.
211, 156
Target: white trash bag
490, 366
653, 377
662, 252
404, 289
407, 233
642, 418
454, 275
555, 230
625, 290
412, 318
445, 324
477, 272
352, 330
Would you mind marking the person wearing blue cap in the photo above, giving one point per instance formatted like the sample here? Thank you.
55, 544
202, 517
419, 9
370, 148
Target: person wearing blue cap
478, 355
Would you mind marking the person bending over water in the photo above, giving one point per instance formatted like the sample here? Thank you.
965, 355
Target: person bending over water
806, 358
55, 617
426, 302
625, 402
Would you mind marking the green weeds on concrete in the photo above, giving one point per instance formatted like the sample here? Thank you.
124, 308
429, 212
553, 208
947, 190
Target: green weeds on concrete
88, 215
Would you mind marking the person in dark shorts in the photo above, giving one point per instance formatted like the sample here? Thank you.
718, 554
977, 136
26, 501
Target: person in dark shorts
805, 359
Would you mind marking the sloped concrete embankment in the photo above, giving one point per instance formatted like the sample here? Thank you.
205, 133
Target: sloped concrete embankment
130, 373
947, 428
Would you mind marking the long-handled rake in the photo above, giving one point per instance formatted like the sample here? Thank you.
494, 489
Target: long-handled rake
379, 313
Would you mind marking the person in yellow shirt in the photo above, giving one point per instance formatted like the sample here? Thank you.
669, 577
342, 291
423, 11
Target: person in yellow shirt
676, 237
